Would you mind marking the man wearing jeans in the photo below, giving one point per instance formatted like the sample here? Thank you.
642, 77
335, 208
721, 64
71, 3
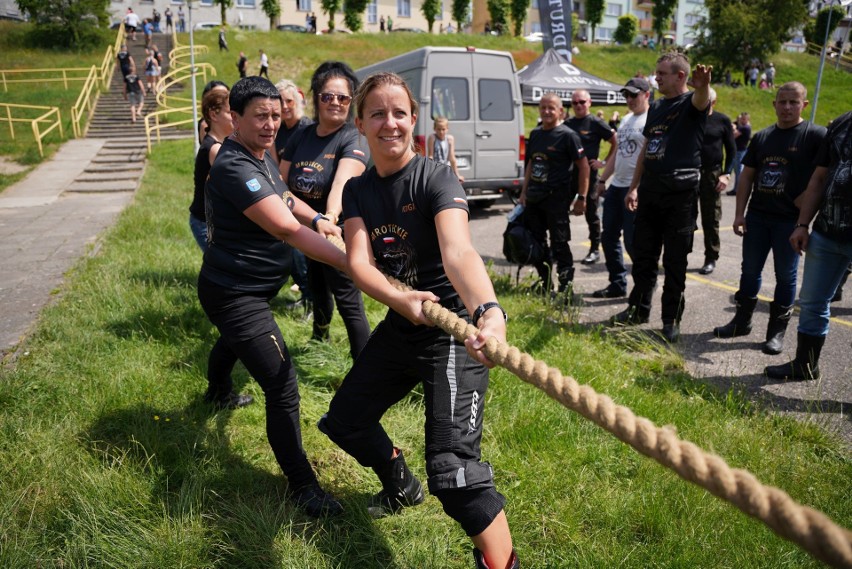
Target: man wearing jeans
829, 247
619, 171
777, 167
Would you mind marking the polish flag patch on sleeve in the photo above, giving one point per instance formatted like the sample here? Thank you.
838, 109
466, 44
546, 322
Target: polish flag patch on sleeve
357, 152
459, 200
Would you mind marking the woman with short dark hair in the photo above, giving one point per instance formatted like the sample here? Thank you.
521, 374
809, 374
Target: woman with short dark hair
252, 219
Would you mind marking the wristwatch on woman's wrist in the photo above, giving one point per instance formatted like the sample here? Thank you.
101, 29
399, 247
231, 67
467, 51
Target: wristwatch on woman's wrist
316, 219
483, 308
805, 225
581, 198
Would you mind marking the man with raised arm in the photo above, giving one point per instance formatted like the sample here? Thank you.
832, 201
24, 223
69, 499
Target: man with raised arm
664, 191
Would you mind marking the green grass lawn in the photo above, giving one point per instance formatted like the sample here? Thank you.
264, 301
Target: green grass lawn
109, 457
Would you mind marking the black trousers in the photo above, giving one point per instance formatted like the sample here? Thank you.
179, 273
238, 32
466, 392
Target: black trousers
593, 202
711, 212
328, 285
665, 222
399, 357
551, 216
249, 333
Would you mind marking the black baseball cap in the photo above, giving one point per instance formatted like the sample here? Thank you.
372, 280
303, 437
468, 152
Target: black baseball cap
637, 84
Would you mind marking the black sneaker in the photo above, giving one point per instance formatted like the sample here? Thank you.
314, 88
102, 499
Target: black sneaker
230, 401
315, 501
609, 292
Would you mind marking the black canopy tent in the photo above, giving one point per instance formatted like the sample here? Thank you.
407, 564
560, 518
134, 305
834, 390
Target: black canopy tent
552, 72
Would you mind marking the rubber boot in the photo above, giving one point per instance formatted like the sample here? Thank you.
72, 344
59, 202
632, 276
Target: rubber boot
806, 364
779, 317
741, 323
514, 563
400, 488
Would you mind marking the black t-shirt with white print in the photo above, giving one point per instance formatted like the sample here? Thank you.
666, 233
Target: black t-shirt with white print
313, 160
550, 157
675, 133
783, 159
399, 214
241, 255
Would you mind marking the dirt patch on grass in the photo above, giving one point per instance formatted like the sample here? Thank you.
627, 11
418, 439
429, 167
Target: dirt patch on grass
9, 167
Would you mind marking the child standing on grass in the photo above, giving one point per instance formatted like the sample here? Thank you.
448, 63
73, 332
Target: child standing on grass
441, 146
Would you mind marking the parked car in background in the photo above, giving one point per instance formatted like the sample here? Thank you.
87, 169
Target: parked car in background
207, 26
534, 37
336, 31
409, 30
292, 28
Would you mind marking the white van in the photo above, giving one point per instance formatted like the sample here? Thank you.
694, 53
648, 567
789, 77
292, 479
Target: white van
478, 91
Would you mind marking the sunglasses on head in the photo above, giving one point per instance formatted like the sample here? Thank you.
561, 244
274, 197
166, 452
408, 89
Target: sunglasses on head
326, 98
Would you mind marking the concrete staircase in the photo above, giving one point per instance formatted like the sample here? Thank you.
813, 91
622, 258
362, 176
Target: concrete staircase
120, 163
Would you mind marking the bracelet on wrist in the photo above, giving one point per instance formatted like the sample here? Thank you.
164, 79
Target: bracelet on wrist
805, 225
316, 219
483, 308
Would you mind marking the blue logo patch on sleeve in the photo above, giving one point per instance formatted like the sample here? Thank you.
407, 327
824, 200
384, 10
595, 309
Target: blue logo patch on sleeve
253, 185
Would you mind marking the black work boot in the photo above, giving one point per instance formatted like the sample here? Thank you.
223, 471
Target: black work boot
741, 323
671, 332
400, 488
779, 317
514, 563
631, 315
230, 400
806, 364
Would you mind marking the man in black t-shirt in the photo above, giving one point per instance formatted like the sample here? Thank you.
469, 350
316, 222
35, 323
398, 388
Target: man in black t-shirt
552, 153
776, 170
718, 136
242, 62
592, 131
664, 191
829, 247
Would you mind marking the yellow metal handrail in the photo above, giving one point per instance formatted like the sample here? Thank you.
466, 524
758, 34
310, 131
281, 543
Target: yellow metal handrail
35, 123
85, 102
179, 75
183, 51
107, 67
158, 126
63, 72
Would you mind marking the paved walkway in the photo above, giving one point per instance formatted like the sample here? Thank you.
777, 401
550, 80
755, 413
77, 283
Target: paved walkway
44, 229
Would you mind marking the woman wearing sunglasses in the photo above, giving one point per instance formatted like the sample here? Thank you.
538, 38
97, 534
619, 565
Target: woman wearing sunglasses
316, 163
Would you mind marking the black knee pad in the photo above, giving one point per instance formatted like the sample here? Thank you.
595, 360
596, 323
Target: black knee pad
466, 491
473, 508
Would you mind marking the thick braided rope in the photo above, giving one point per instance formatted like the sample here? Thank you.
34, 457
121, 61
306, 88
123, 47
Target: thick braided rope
812, 530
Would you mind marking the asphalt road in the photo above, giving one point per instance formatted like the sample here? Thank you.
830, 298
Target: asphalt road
727, 364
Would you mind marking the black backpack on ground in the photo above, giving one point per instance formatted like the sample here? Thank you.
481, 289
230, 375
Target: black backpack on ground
519, 245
